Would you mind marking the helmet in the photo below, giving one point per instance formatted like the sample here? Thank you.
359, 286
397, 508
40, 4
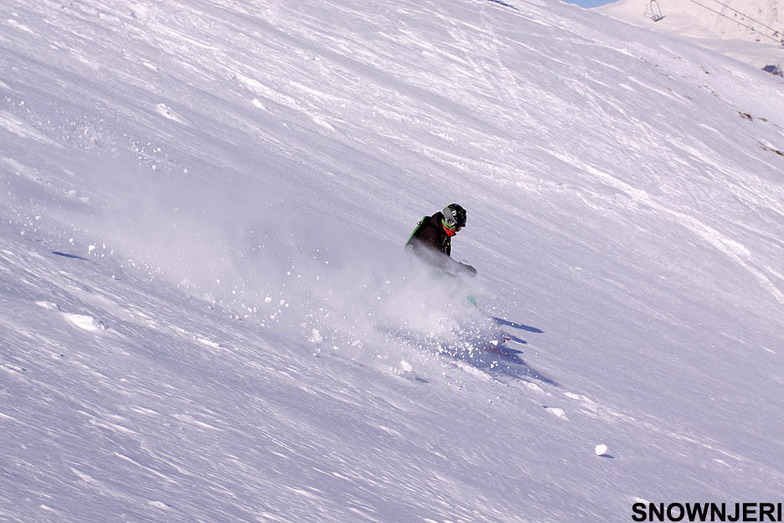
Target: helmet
454, 216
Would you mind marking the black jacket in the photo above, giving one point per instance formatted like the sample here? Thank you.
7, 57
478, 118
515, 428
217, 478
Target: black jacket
431, 244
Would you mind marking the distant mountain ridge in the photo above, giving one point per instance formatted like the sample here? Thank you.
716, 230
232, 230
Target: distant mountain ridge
748, 30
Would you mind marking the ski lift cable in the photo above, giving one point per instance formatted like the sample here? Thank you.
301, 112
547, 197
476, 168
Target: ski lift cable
746, 16
740, 23
737, 22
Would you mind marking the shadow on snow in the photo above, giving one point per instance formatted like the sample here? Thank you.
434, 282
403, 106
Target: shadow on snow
71, 256
519, 326
510, 360
503, 4
494, 356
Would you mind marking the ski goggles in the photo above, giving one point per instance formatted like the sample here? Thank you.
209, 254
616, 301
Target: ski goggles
451, 226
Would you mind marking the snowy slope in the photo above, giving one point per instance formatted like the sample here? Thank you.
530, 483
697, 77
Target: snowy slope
207, 314
748, 30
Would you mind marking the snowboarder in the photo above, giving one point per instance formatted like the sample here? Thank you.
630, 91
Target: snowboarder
431, 241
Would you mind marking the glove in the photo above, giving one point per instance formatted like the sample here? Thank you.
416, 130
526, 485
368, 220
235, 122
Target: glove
469, 270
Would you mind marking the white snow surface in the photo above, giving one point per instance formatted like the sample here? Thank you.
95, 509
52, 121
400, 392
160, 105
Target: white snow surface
748, 30
206, 313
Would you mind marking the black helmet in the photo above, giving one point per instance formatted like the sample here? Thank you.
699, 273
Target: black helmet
454, 216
